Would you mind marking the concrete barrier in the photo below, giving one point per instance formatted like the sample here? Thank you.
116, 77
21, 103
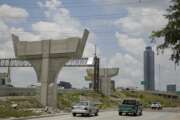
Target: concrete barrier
8, 91
14, 91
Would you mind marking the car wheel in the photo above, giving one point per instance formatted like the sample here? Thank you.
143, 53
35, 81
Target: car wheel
120, 113
96, 114
135, 114
140, 113
74, 114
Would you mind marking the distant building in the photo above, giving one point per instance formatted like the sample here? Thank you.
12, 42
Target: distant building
112, 85
171, 88
4, 79
65, 85
104, 84
90, 85
149, 83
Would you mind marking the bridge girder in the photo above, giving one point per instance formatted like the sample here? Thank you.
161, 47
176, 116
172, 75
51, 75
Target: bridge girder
15, 62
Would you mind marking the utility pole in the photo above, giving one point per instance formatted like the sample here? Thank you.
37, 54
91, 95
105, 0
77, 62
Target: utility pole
96, 84
159, 77
9, 75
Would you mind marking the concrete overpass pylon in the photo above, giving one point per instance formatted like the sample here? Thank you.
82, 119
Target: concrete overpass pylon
105, 75
47, 58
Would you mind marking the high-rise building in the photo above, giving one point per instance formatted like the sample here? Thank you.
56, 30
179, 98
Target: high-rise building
171, 88
149, 83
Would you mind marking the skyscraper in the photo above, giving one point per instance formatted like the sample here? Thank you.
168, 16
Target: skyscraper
149, 83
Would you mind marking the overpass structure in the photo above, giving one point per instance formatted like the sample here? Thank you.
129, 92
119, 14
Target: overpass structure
47, 57
15, 62
164, 94
104, 83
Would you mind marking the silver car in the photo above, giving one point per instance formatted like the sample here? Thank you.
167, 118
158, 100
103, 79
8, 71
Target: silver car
85, 108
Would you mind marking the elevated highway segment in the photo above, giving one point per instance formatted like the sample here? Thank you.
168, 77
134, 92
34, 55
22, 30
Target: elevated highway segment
47, 57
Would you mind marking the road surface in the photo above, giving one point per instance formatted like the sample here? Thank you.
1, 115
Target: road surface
113, 115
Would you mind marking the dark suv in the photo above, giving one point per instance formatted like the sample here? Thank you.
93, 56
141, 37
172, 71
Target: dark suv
130, 106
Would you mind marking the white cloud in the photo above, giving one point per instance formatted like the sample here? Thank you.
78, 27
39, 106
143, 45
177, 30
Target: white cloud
53, 30
47, 30
51, 4
25, 36
8, 12
131, 44
130, 69
4, 32
141, 21
60, 23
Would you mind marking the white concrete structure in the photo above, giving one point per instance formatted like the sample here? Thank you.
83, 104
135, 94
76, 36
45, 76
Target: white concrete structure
105, 75
47, 58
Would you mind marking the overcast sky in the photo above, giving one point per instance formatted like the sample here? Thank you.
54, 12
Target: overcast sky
119, 28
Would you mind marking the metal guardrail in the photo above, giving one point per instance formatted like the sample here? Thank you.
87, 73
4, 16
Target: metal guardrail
13, 62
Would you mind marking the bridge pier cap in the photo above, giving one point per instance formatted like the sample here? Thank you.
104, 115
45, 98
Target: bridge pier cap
105, 75
47, 58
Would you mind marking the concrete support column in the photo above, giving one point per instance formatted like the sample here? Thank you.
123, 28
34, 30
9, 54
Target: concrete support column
47, 58
105, 75
52, 94
44, 73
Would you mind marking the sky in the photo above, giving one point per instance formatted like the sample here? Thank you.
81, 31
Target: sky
119, 28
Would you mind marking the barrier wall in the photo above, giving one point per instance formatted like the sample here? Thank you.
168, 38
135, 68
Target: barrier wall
8, 91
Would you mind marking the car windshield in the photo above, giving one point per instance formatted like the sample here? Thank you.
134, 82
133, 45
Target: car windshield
129, 102
82, 104
156, 103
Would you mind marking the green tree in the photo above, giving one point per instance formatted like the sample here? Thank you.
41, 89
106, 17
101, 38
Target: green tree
171, 32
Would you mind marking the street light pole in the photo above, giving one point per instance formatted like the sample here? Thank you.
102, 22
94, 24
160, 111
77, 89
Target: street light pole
159, 77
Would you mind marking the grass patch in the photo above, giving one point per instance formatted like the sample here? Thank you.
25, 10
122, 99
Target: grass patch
9, 112
23, 109
148, 98
66, 100
27, 105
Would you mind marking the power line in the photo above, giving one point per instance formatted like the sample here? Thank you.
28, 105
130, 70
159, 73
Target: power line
56, 31
92, 17
105, 15
65, 33
102, 4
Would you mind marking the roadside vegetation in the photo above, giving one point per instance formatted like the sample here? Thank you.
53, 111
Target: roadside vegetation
29, 106
147, 98
18, 107
66, 100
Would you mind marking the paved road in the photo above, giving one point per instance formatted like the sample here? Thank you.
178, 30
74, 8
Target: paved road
112, 115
